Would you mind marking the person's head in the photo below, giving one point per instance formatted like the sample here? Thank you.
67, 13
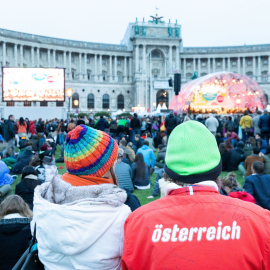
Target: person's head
21, 121
146, 143
160, 147
135, 115
97, 155
259, 143
229, 132
29, 170
228, 144
248, 142
186, 161
222, 148
240, 145
81, 117
258, 136
246, 112
14, 204
11, 117
229, 182
230, 118
34, 161
171, 112
148, 135
101, 117
158, 134
265, 112
256, 150
44, 147
218, 135
120, 155
130, 144
259, 112
40, 119
123, 142
140, 164
257, 167
71, 121
137, 137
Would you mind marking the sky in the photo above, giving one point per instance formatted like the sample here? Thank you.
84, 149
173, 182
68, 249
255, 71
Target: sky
204, 22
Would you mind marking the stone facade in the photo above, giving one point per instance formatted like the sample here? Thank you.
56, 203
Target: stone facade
112, 77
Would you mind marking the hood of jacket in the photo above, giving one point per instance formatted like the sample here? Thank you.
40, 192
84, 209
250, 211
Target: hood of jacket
13, 225
87, 229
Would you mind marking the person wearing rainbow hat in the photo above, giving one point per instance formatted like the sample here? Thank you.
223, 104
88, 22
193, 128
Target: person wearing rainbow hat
80, 215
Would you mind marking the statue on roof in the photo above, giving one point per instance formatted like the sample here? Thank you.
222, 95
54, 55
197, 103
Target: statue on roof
157, 19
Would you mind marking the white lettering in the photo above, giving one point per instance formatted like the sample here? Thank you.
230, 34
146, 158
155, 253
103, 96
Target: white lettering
225, 235
157, 233
210, 235
190, 237
175, 230
183, 235
219, 230
166, 235
234, 229
201, 230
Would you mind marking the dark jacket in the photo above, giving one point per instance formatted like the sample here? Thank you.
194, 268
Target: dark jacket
9, 130
102, 124
113, 126
80, 122
22, 161
132, 201
225, 160
139, 143
258, 186
248, 150
140, 182
264, 122
15, 235
40, 127
161, 155
40, 142
236, 156
25, 189
170, 123
34, 140
157, 141
135, 123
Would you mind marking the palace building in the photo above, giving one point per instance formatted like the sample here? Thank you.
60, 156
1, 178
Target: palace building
136, 72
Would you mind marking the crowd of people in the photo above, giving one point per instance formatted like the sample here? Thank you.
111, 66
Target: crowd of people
88, 218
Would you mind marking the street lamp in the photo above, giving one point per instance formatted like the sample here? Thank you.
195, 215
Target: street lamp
238, 101
69, 92
124, 110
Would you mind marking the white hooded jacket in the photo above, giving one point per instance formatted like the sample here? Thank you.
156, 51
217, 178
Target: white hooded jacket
79, 227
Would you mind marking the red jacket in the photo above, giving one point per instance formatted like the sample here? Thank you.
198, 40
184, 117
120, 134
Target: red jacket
32, 128
193, 228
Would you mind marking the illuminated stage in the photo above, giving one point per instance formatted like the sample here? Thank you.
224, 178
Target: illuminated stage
221, 93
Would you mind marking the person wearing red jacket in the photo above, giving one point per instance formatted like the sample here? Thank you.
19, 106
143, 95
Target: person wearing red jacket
32, 128
194, 225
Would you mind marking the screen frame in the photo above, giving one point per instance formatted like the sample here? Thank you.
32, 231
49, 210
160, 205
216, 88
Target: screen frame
64, 69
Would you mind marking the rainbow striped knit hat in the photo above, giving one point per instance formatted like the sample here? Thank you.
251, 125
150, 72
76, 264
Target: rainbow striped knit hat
89, 151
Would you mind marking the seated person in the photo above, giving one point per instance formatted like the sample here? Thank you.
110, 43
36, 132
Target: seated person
236, 157
127, 152
148, 154
130, 147
123, 172
234, 190
140, 173
34, 140
23, 160
5, 182
250, 159
160, 161
42, 139
248, 148
262, 145
138, 141
219, 139
231, 135
225, 156
258, 186
151, 141
29, 181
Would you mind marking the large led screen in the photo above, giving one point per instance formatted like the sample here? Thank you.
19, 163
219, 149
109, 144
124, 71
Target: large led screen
33, 84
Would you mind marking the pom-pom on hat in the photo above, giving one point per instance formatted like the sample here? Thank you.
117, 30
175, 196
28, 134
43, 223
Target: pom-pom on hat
192, 154
89, 151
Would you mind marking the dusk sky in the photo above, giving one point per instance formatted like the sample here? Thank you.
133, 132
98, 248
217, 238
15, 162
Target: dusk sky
204, 23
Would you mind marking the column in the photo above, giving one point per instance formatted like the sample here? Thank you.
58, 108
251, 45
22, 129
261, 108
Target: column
85, 67
170, 60
32, 57
144, 59
80, 66
238, 65
54, 58
137, 58
199, 67
208, 65
184, 68
177, 59
96, 71
69, 67
269, 68
15, 55
214, 65
223, 64
229, 64
65, 59
259, 69
49, 57
37, 57
130, 68
100, 68
110, 69
125, 69
4, 54
254, 67
244, 66
115, 69
194, 65
21, 55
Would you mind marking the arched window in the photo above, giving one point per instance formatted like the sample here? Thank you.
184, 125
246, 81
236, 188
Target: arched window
75, 96
90, 101
120, 102
105, 101
156, 54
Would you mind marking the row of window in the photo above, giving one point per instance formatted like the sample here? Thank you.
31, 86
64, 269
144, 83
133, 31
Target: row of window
29, 104
105, 101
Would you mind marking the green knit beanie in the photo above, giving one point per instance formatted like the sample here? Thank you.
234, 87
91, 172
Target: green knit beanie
192, 154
